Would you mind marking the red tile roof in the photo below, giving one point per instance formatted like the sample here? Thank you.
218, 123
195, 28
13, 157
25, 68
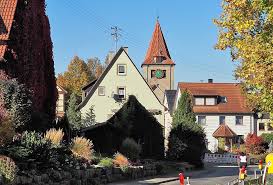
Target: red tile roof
224, 131
7, 12
158, 47
236, 101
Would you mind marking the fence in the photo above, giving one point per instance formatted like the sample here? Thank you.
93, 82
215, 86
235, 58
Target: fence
221, 158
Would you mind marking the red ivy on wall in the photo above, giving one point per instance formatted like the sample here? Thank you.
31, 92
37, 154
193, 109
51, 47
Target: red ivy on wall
29, 55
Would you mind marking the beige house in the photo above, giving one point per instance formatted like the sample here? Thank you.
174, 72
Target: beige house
263, 123
60, 104
120, 79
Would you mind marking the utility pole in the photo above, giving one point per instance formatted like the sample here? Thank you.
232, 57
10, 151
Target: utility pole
116, 35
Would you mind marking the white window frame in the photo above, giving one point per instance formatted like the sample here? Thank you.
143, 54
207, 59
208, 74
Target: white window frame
236, 123
101, 94
195, 102
199, 120
124, 95
224, 120
214, 101
125, 70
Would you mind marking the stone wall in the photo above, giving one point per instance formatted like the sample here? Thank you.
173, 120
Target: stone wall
90, 176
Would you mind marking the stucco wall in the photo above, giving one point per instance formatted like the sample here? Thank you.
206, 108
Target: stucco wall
212, 123
134, 84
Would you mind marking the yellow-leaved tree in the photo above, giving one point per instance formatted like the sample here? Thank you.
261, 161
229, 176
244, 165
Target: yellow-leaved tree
246, 29
76, 76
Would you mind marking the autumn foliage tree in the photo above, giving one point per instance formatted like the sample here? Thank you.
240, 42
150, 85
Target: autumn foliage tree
254, 144
76, 76
245, 28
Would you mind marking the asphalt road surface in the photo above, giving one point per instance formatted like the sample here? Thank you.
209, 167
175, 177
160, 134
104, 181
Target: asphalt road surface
214, 175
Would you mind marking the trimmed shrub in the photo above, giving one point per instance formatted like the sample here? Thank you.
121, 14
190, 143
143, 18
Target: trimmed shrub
82, 148
254, 144
106, 162
7, 169
120, 160
130, 149
54, 136
186, 144
267, 137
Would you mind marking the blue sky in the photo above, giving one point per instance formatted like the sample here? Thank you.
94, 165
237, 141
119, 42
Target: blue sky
83, 28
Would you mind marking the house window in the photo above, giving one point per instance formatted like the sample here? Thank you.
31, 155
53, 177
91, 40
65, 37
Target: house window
101, 91
210, 101
199, 101
202, 120
121, 69
222, 120
121, 93
239, 120
261, 126
223, 99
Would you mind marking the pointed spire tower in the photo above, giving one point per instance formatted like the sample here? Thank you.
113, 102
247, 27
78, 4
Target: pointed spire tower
158, 67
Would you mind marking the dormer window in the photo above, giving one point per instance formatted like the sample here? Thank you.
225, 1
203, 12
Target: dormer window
223, 99
158, 59
205, 100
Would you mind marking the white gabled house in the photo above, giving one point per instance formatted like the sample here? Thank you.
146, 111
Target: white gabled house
120, 79
221, 109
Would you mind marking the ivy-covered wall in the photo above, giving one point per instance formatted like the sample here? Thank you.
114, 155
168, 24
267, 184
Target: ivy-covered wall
29, 55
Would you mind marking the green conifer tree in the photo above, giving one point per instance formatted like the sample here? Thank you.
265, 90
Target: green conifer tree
73, 115
184, 112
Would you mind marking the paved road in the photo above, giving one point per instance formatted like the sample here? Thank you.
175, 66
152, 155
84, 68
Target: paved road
215, 175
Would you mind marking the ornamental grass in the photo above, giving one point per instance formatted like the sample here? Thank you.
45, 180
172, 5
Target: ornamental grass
54, 136
120, 160
82, 148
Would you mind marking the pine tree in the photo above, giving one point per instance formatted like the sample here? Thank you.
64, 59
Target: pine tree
89, 118
73, 116
184, 112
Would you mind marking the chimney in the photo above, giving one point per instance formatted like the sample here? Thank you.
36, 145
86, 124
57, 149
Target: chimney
126, 49
210, 80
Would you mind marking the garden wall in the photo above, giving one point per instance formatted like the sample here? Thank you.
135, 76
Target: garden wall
90, 176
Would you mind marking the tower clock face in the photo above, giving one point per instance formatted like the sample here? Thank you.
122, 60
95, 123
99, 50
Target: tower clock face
159, 74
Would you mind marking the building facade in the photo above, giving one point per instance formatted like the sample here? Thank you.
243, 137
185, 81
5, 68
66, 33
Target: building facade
60, 104
217, 104
110, 91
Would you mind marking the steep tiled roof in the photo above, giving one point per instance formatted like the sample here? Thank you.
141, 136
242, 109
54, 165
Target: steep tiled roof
158, 47
224, 131
7, 12
170, 95
236, 101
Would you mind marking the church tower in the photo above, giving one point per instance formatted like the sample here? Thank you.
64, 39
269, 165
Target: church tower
158, 67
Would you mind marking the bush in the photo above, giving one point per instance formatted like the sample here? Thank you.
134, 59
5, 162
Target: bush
16, 99
54, 136
254, 144
120, 160
106, 162
7, 169
7, 131
130, 149
267, 137
82, 148
187, 143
